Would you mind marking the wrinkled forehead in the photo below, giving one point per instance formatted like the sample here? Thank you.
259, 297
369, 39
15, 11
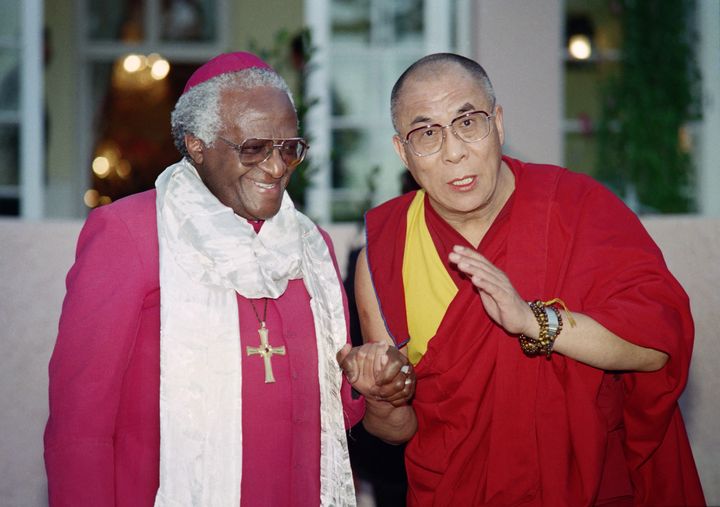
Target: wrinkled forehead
262, 111
257, 102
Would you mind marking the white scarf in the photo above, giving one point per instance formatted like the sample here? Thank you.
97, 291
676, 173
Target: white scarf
207, 253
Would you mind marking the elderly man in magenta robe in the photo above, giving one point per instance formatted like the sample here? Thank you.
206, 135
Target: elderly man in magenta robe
196, 357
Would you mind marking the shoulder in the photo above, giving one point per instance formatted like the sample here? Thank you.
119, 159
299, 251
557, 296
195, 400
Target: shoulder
134, 209
391, 207
135, 213
388, 220
129, 225
565, 187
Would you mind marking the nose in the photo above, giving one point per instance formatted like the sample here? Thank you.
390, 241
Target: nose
274, 165
454, 149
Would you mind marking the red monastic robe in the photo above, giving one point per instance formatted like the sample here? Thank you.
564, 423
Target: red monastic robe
497, 428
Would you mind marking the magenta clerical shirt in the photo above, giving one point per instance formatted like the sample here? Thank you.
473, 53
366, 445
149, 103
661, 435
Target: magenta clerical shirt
102, 437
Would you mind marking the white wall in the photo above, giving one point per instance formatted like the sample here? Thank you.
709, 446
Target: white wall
518, 43
35, 257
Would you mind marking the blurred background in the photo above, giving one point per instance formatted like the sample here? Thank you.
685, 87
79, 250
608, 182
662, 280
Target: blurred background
627, 91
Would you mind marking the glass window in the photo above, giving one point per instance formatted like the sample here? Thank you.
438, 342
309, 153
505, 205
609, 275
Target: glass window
128, 140
408, 20
132, 142
116, 20
350, 21
592, 38
129, 20
9, 108
189, 20
10, 19
9, 80
371, 43
9, 151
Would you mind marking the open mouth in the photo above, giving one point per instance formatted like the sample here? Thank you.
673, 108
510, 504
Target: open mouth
463, 182
265, 186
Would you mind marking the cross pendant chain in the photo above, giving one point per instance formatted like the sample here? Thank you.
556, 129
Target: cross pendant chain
266, 351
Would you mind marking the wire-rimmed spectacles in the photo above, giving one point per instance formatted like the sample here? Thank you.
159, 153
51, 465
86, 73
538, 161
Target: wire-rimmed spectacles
256, 150
468, 127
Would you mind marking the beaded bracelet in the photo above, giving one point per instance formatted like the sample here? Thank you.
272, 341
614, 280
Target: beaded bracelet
550, 321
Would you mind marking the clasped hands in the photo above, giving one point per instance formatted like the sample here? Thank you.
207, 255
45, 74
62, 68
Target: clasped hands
379, 372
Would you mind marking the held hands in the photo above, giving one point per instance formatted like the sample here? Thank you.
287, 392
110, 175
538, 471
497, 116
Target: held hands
500, 299
378, 371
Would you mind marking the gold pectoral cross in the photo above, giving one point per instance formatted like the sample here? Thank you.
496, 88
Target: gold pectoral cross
266, 351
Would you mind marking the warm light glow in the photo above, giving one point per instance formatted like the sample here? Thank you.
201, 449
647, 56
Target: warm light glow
133, 63
101, 167
91, 198
123, 168
105, 200
138, 72
579, 47
110, 151
160, 69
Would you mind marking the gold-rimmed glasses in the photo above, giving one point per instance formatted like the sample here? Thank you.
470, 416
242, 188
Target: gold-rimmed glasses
468, 127
256, 150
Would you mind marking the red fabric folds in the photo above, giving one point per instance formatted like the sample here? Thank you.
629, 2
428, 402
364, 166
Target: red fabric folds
497, 428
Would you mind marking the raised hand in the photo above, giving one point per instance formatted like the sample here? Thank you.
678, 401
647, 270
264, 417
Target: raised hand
500, 299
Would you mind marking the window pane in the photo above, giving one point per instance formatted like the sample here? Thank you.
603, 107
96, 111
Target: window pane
408, 20
348, 167
133, 143
365, 170
10, 19
581, 152
351, 171
581, 90
371, 43
350, 20
9, 80
116, 20
354, 89
9, 149
189, 20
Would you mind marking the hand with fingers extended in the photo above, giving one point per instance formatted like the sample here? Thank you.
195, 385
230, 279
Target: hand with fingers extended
500, 299
378, 371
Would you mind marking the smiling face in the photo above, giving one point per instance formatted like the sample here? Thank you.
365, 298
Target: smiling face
252, 192
464, 181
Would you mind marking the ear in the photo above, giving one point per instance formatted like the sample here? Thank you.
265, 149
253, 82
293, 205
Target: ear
400, 149
499, 124
195, 148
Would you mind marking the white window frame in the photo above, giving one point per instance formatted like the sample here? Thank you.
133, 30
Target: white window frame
319, 122
30, 190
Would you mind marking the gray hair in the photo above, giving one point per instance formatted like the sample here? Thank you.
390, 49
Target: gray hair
197, 112
436, 61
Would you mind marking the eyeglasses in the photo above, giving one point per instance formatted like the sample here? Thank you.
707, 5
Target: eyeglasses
469, 127
254, 150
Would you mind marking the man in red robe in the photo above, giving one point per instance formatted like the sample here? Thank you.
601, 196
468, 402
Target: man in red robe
196, 357
549, 339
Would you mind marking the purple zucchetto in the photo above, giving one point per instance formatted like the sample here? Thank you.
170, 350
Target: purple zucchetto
222, 64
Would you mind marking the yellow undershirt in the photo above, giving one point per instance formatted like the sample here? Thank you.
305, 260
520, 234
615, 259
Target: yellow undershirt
429, 289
